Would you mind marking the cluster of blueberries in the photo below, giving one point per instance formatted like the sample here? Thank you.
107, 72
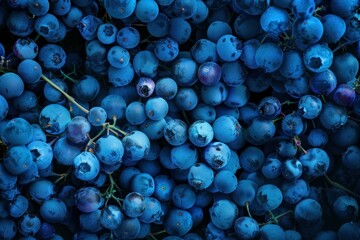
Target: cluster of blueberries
179, 119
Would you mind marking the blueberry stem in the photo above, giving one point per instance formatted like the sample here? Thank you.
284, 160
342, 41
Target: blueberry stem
298, 144
117, 129
262, 40
248, 209
313, 123
323, 98
273, 218
54, 140
338, 185
152, 236
68, 77
91, 141
37, 37
277, 119
110, 191
342, 45
352, 118
70, 98
288, 103
185, 117
158, 233
63, 176
112, 181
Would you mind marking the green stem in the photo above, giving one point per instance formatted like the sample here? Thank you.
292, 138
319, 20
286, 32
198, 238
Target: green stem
63, 176
152, 237
117, 129
288, 103
68, 77
273, 217
158, 233
262, 40
70, 98
342, 45
185, 117
283, 214
37, 37
277, 119
323, 98
338, 185
248, 209
113, 183
298, 144
91, 141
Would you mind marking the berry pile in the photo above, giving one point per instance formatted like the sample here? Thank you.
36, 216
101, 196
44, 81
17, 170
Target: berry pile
179, 119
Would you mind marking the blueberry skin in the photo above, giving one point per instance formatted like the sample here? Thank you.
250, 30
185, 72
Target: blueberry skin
42, 153
332, 116
274, 21
346, 208
128, 37
318, 57
229, 48
11, 85
29, 225
7, 180
8, 229
19, 23
200, 176
88, 199
109, 149
246, 228
270, 231
269, 197
54, 123
129, 229
118, 57
136, 146
19, 206
225, 181
143, 183
86, 166
178, 222
204, 51
41, 190
200, 133
164, 186
223, 214
315, 162
120, 9
52, 57
106, 33
217, 154
53, 210
153, 211
176, 132
17, 132
269, 57
308, 212
111, 217
134, 204
88, 26
25, 48
65, 151
309, 106
91, 221
291, 169
17, 160
166, 49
